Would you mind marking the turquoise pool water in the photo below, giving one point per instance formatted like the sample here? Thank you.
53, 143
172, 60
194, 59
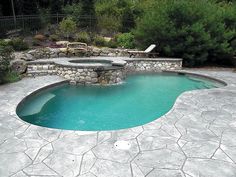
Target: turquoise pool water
141, 99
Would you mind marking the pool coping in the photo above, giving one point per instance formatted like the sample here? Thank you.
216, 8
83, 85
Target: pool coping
65, 62
176, 160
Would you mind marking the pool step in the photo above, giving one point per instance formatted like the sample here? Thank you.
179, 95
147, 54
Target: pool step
39, 72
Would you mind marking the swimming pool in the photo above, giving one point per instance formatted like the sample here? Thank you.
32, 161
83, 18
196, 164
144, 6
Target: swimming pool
141, 99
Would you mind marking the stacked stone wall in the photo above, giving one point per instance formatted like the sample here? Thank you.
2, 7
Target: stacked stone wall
104, 76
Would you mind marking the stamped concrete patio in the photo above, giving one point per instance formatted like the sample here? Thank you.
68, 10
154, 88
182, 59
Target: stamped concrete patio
196, 138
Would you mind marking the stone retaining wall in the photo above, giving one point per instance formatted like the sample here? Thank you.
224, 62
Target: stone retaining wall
102, 75
75, 75
40, 69
47, 52
152, 65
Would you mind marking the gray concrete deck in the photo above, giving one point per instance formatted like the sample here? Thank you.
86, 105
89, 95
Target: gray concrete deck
197, 138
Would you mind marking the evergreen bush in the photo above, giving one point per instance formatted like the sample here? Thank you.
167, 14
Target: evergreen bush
125, 40
83, 37
100, 41
18, 44
197, 31
5, 58
67, 26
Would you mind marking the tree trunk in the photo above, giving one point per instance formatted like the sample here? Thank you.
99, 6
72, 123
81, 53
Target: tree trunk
13, 12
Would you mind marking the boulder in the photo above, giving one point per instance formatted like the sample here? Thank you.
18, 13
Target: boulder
32, 52
19, 55
64, 43
105, 50
28, 57
18, 66
14, 33
96, 51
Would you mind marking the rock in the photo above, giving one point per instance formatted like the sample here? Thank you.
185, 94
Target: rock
88, 78
94, 80
19, 56
118, 80
23, 56
32, 52
29, 57
73, 82
55, 55
64, 43
61, 54
96, 51
104, 82
45, 67
67, 76
105, 50
80, 70
18, 66
94, 74
112, 54
14, 33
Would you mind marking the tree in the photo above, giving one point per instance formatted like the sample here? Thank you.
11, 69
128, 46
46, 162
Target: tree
13, 12
1, 10
116, 15
67, 26
194, 30
88, 8
55, 6
6, 9
73, 11
29, 7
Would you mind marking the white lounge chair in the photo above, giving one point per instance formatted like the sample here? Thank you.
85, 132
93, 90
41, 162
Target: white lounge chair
146, 53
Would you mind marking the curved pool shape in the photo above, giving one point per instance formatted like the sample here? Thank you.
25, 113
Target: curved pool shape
142, 99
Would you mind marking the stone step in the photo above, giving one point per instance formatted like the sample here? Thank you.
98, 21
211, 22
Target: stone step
40, 71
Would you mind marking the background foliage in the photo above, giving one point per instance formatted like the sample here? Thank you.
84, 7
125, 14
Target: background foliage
199, 31
5, 58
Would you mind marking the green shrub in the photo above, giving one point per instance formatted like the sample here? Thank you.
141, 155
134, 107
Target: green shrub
67, 26
6, 52
83, 37
18, 44
73, 11
36, 42
99, 41
11, 77
125, 40
112, 44
194, 30
54, 37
